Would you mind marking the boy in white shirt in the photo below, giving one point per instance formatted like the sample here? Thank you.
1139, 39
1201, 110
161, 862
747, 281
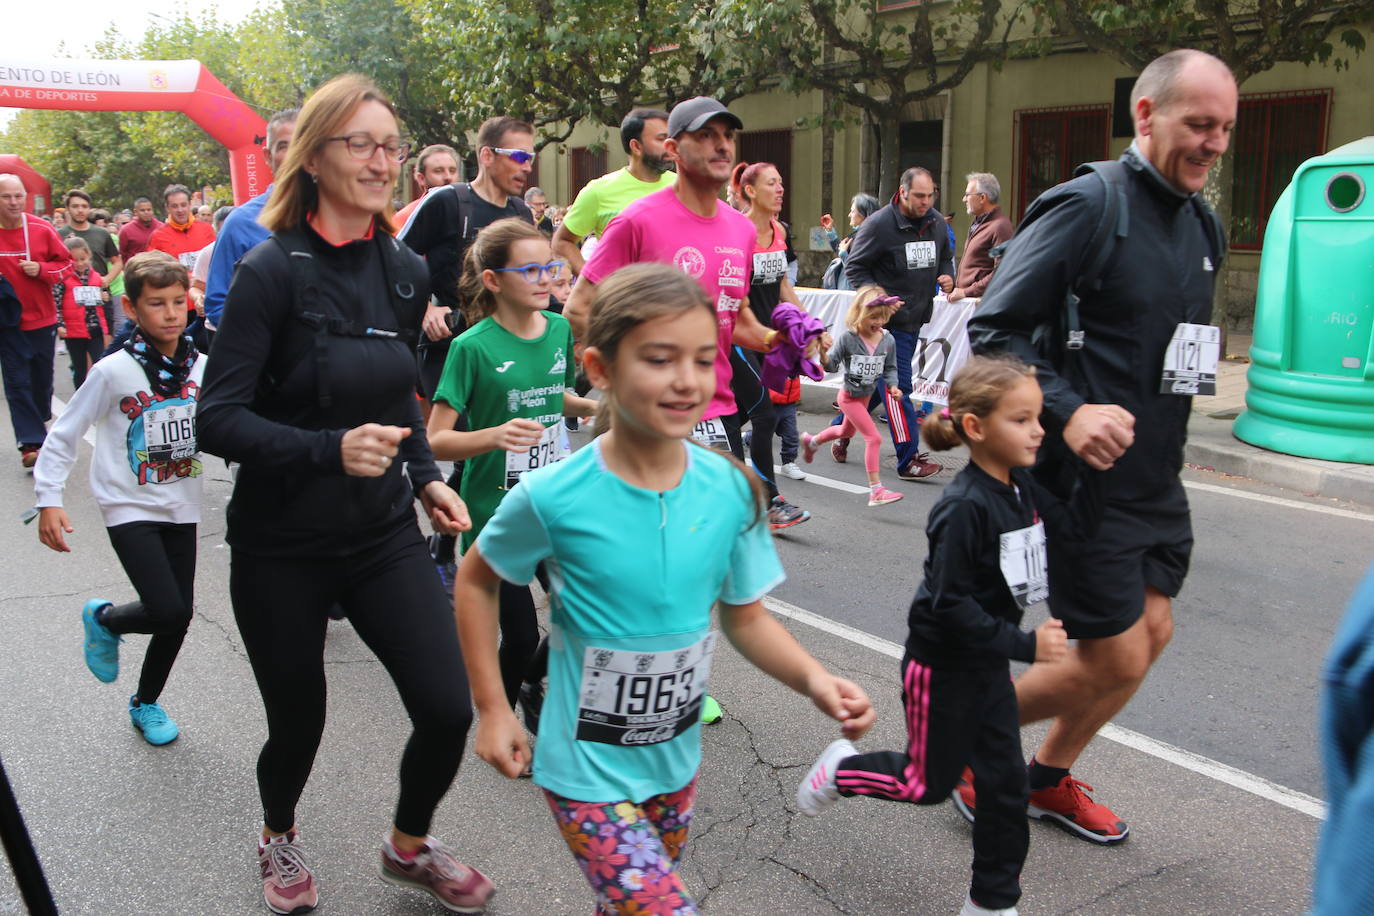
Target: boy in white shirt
145, 476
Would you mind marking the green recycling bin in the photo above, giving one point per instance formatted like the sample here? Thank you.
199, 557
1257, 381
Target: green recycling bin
1311, 377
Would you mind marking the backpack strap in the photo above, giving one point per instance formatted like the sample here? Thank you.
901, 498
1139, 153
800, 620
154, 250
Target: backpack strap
1113, 225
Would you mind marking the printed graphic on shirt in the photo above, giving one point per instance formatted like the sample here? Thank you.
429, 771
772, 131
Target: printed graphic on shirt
504, 366
726, 303
162, 435
1022, 559
769, 267
920, 255
730, 274
560, 363
638, 698
689, 260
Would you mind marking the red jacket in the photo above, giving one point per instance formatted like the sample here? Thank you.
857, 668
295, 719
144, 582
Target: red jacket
39, 243
791, 395
74, 315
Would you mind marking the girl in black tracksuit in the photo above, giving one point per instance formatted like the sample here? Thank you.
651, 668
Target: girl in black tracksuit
985, 566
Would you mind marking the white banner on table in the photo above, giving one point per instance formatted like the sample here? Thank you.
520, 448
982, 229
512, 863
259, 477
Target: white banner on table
941, 347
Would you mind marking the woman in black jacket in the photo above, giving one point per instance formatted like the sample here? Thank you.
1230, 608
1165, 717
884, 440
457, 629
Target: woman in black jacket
312, 391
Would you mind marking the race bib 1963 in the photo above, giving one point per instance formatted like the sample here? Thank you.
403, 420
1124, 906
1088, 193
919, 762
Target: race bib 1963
1023, 564
1190, 363
632, 698
552, 446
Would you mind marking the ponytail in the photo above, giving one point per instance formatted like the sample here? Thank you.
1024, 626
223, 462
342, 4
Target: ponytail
976, 389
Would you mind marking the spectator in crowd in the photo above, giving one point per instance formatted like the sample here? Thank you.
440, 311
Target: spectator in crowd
59, 218
990, 227
134, 235
538, 202
32, 258
860, 208
205, 213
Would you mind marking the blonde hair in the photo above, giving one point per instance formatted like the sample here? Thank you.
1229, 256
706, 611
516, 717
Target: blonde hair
859, 308
977, 388
294, 194
490, 250
632, 296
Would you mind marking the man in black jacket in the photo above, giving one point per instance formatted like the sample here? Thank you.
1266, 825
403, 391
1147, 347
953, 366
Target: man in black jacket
1116, 405
904, 248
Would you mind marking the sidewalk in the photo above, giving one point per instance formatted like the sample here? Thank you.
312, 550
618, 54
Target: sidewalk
1211, 445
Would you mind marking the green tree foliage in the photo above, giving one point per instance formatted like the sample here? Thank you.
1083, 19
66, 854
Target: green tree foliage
882, 61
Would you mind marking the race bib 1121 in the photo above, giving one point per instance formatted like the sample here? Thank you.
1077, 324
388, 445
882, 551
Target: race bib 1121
1190, 363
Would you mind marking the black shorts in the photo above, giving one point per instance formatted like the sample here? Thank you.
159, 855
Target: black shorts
1098, 588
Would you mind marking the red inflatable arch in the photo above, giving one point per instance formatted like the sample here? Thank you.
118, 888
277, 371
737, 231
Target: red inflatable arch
146, 85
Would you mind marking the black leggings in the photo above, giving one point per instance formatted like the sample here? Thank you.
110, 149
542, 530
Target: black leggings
752, 404
519, 639
84, 352
398, 607
160, 560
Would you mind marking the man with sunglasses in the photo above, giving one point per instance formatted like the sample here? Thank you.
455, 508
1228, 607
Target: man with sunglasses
441, 228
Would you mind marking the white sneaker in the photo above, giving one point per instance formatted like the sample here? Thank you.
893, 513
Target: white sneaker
817, 791
790, 469
973, 909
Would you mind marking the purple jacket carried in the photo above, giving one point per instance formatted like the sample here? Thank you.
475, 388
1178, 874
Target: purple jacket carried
795, 330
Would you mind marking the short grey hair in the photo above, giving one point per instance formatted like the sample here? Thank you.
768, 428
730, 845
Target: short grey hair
1158, 82
987, 185
530, 192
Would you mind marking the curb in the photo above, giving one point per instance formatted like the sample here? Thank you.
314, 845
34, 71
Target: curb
1212, 445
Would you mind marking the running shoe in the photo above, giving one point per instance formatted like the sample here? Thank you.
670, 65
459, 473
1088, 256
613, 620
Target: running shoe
531, 700
710, 711
808, 444
973, 909
881, 496
102, 646
965, 802
288, 885
817, 792
839, 450
1068, 804
151, 719
919, 468
28, 455
791, 470
782, 514
456, 886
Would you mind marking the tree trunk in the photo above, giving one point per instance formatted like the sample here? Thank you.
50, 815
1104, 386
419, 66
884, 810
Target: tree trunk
1217, 192
828, 107
889, 141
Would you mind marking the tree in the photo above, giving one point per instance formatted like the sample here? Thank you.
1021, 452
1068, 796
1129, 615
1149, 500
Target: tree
882, 62
1250, 36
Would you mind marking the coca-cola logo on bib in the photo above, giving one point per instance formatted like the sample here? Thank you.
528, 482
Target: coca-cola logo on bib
647, 735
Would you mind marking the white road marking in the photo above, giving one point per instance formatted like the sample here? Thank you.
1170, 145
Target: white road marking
1278, 501
1213, 769
820, 481
58, 406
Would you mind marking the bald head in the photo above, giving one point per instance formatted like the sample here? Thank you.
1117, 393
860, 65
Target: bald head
12, 197
1163, 78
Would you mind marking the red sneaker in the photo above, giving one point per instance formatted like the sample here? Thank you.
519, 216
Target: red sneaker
456, 886
965, 802
1069, 805
839, 450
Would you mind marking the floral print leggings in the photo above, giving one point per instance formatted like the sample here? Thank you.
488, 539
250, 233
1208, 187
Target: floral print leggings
629, 852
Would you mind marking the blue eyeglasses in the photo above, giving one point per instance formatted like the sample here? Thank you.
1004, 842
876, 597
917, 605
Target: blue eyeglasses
532, 272
518, 156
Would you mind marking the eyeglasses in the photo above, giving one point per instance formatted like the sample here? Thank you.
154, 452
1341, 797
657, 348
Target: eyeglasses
532, 272
518, 156
362, 146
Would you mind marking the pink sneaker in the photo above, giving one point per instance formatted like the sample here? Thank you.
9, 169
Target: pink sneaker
808, 444
288, 886
456, 886
881, 496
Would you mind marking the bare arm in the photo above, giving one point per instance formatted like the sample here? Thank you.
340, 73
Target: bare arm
449, 444
500, 739
749, 331
766, 643
578, 308
568, 247
574, 405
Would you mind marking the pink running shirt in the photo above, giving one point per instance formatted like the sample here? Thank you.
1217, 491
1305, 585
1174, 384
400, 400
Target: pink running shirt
715, 252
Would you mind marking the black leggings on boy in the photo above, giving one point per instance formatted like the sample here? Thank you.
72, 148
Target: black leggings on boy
160, 560
397, 606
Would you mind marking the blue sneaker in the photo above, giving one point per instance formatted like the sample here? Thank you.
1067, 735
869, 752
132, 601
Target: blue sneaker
102, 646
151, 719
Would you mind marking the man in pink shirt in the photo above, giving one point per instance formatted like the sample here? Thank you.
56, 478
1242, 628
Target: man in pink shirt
133, 238
32, 258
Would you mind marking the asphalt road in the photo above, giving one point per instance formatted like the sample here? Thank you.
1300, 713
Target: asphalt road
128, 829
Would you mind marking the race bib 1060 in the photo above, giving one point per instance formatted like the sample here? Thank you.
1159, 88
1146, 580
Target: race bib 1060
1023, 564
632, 698
170, 432
1190, 363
